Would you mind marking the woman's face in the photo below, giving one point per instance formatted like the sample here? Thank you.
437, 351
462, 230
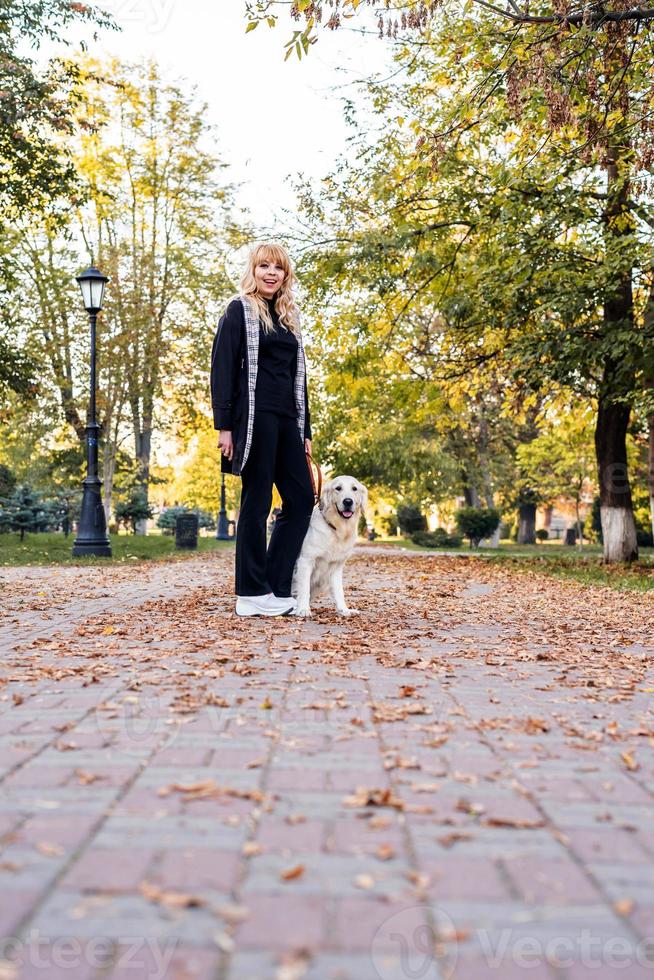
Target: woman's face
268, 276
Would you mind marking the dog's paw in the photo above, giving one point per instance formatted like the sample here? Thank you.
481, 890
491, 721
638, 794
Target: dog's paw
305, 612
348, 611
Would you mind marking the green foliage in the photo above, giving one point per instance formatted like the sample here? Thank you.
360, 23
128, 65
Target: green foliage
167, 519
7, 481
390, 525
410, 519
439, 538
134, 509
37, 104
477, 523
542, 534
24, 510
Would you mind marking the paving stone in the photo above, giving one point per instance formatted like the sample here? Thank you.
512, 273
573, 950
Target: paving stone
164, 961
574, 834
277, 922
107, 870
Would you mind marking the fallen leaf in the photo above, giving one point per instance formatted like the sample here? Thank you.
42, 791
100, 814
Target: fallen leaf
290, 874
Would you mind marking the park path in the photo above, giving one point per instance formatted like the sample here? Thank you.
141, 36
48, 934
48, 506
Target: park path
456, 783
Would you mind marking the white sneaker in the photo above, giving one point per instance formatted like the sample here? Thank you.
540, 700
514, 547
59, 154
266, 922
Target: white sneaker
263, 605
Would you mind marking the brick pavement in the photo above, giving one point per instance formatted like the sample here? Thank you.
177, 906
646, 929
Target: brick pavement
453, 784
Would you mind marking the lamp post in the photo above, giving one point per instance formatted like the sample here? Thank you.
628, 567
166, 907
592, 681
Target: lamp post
92, 530
222, 534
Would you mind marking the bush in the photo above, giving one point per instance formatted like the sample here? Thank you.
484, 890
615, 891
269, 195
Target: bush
136, 508
167, 519
25, 510
644, 538
390, 525
476, 523
410, 519
436, 539
542, 534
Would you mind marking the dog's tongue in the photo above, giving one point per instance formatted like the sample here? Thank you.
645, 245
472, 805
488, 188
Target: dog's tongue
347, 513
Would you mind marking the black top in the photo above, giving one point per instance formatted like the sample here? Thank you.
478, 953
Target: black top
229, 392
275, 390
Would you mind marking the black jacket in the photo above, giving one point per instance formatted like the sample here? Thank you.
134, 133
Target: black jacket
230, 368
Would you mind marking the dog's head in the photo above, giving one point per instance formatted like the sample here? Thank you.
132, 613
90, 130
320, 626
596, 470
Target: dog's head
345, 497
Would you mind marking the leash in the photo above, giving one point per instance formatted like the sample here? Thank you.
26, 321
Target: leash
316, 477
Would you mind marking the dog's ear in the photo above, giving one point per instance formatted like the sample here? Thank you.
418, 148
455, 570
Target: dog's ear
364, 497
327, 496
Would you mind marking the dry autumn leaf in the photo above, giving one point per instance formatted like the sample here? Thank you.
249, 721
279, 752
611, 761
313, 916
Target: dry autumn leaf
290, 874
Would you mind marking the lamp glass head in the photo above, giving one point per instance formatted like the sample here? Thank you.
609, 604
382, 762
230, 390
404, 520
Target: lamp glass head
92, 284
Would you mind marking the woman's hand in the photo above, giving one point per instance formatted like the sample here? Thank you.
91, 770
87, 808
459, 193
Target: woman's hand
225, 443
307, 446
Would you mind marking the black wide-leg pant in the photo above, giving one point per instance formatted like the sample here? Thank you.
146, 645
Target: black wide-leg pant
276, 456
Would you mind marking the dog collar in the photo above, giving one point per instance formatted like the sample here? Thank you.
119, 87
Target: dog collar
328, 523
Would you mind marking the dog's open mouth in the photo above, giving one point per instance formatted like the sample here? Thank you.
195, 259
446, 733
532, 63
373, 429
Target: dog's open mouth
345, 513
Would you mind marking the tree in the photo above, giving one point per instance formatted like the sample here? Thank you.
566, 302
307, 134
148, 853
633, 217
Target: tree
134, 510
155, 215
7, 481
159, 226
477, 523
24, 511
560, 462
546, 116
37, 107
410, 519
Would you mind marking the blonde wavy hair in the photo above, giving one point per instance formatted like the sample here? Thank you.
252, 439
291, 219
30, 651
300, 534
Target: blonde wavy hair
285, 306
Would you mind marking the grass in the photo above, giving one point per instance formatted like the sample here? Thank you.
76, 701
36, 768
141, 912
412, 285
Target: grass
553, 558
56, 549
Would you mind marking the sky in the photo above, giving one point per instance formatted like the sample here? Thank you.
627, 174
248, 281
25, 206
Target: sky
274, 118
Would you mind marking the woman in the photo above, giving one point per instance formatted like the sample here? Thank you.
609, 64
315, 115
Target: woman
260, 405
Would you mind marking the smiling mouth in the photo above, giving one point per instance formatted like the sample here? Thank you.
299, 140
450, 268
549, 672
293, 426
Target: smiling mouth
345, 513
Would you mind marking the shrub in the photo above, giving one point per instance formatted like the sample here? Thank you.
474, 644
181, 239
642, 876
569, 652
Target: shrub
167, 519
436, 539
136, 508
542, 534
410, 519
390, 525
476, 523
25, 510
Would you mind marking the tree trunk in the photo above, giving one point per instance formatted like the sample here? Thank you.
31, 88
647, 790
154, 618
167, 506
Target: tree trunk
616, 510
471, 495
649, 382
143, 453
527, 523
108, 471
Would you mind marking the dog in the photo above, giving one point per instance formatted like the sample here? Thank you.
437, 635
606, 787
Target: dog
328, 544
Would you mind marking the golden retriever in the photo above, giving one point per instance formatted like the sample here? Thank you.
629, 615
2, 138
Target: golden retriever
328, 544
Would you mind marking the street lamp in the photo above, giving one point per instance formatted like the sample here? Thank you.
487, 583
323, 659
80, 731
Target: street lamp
222, 533
92, 529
